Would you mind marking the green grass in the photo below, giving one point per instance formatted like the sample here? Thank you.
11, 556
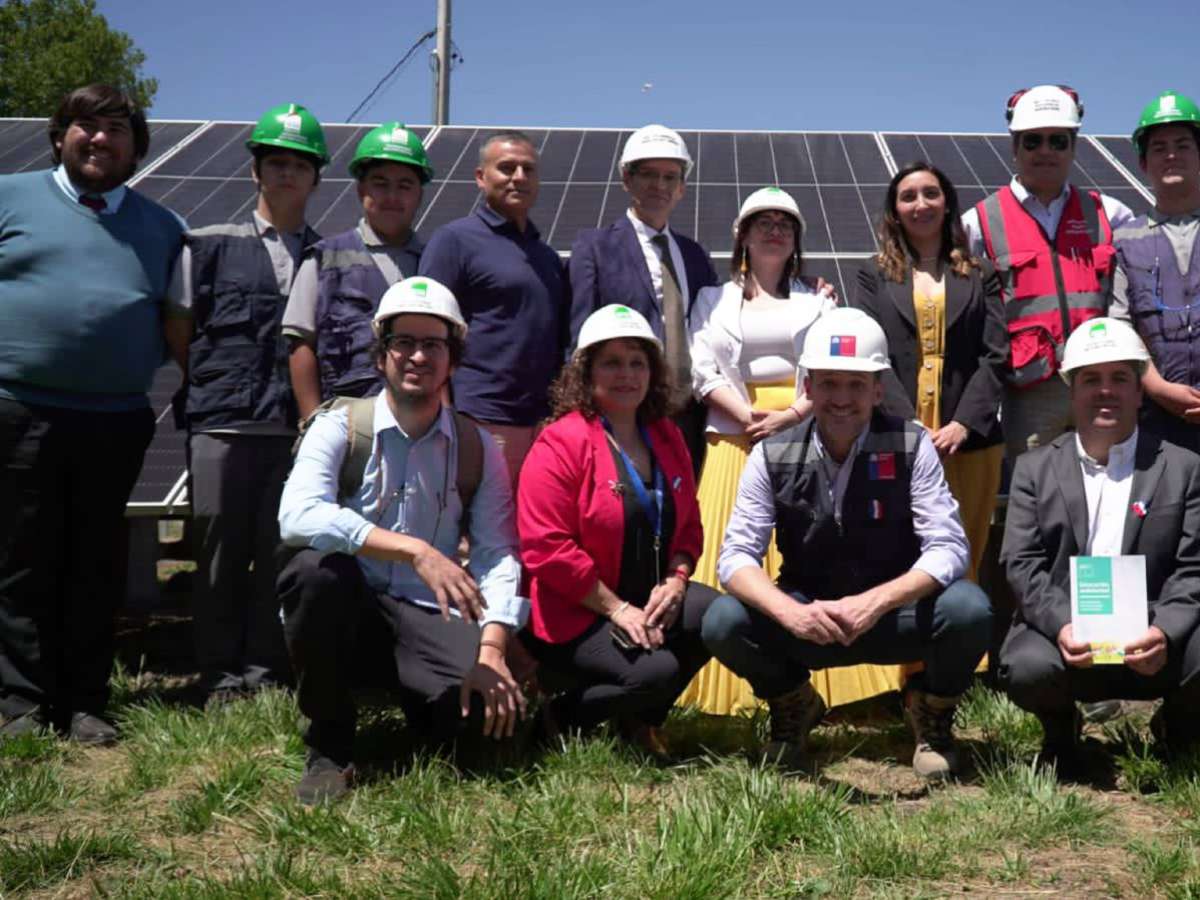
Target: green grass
195, 804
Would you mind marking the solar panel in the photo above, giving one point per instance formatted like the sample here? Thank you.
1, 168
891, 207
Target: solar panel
200, 170
1125, 153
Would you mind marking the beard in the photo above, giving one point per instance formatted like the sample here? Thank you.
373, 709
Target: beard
72, 161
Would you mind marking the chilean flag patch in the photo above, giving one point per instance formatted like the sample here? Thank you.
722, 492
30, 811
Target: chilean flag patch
881, 466
876, 510
1139, 509
842, 345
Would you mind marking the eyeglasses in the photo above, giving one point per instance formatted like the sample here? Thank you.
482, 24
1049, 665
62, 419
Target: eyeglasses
766, 226
1031, 140
407, 345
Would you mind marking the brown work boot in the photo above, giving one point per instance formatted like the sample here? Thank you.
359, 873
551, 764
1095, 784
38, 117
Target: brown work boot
931, 719
793, 716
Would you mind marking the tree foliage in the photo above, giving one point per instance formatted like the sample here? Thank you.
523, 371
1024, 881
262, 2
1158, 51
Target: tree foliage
49, 47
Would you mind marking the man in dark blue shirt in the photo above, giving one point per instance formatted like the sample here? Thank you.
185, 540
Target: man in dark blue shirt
513, 291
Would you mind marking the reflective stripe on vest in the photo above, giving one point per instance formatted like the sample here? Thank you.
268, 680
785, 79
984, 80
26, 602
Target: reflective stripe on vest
1048, 289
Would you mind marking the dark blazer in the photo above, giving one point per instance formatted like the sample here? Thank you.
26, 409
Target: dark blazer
1048, 524
607, 266
976, 348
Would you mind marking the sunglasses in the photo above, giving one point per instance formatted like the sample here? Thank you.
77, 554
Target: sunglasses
1032, 140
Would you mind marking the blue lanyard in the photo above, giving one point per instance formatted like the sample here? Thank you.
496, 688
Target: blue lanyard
653, 510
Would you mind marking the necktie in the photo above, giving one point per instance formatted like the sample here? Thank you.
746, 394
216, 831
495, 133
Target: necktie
94, 202
679, 359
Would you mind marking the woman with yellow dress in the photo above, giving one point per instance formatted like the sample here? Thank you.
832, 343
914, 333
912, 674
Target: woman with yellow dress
746, 337
941, 311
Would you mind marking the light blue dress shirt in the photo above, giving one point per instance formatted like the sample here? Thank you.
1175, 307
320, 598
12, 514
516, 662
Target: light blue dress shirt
408, 487
936, 523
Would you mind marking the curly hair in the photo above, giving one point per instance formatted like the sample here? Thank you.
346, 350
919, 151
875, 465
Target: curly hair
572, 389
896, 255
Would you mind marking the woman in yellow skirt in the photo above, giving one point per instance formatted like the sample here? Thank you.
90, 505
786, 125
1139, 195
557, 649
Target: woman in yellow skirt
746, 338
941, 311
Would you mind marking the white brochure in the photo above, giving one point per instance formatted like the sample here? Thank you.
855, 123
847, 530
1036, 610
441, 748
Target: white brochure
1108, 603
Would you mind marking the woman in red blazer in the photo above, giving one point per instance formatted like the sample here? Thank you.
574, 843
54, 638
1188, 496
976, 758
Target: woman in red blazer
610, 532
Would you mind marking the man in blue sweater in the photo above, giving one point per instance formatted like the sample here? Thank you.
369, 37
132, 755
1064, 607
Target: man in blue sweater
84, 268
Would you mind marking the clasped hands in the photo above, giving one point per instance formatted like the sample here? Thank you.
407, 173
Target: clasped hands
841, 621
647, 626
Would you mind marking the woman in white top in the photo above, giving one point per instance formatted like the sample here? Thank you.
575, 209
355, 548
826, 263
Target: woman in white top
746, 337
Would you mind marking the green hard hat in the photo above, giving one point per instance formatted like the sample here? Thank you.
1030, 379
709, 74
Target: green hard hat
1170, 107
291, 127
392, 142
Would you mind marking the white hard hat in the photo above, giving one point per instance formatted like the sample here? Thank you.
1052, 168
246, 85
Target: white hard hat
615, 321
656, 142
768, 198
423, 296
847, 340
1102, 340
1044, 106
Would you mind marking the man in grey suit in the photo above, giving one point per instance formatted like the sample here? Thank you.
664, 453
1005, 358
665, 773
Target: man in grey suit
1107, 489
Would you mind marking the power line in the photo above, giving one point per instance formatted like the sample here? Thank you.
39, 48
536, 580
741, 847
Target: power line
391, 73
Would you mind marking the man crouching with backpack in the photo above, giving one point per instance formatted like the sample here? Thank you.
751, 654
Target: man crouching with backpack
381, 492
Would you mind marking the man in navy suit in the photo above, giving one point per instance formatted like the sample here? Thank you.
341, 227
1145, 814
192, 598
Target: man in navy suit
639, 262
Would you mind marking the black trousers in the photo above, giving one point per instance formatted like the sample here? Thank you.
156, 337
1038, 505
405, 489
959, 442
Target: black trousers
236, 482
1033, 673
65, 476
606, 681
337, 628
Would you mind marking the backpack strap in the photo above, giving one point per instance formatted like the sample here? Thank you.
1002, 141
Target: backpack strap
360, 432
469, 445
360, 438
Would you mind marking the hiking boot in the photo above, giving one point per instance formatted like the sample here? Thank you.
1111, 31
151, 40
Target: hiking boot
1061, 743
91, 730
32, 722
324, 780
793, 716
931, 719
1100, 711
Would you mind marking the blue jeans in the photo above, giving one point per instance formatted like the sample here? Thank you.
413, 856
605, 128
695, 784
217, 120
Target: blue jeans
948, 632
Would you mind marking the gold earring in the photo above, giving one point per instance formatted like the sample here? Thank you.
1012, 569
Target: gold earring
745, 267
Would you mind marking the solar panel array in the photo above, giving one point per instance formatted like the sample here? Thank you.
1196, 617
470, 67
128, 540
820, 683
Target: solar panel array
839, 179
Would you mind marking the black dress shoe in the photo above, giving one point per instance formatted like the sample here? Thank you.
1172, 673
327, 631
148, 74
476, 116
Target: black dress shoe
91, 730
324, 780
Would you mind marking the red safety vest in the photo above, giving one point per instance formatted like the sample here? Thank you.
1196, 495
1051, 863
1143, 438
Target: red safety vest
1048, 288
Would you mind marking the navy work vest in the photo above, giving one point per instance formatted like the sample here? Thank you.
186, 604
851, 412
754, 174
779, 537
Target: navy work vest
351, 287
1159, 295
875, 541
237, 369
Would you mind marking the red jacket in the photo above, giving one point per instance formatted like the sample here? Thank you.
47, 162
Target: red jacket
1048, 288
572, 523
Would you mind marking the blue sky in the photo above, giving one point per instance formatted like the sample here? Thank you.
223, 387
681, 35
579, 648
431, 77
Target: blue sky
766, 65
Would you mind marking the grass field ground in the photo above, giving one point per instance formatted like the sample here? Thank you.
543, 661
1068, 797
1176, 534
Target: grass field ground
199, 804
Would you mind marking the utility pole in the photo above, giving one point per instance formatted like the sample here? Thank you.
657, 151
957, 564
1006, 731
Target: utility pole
441, 70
